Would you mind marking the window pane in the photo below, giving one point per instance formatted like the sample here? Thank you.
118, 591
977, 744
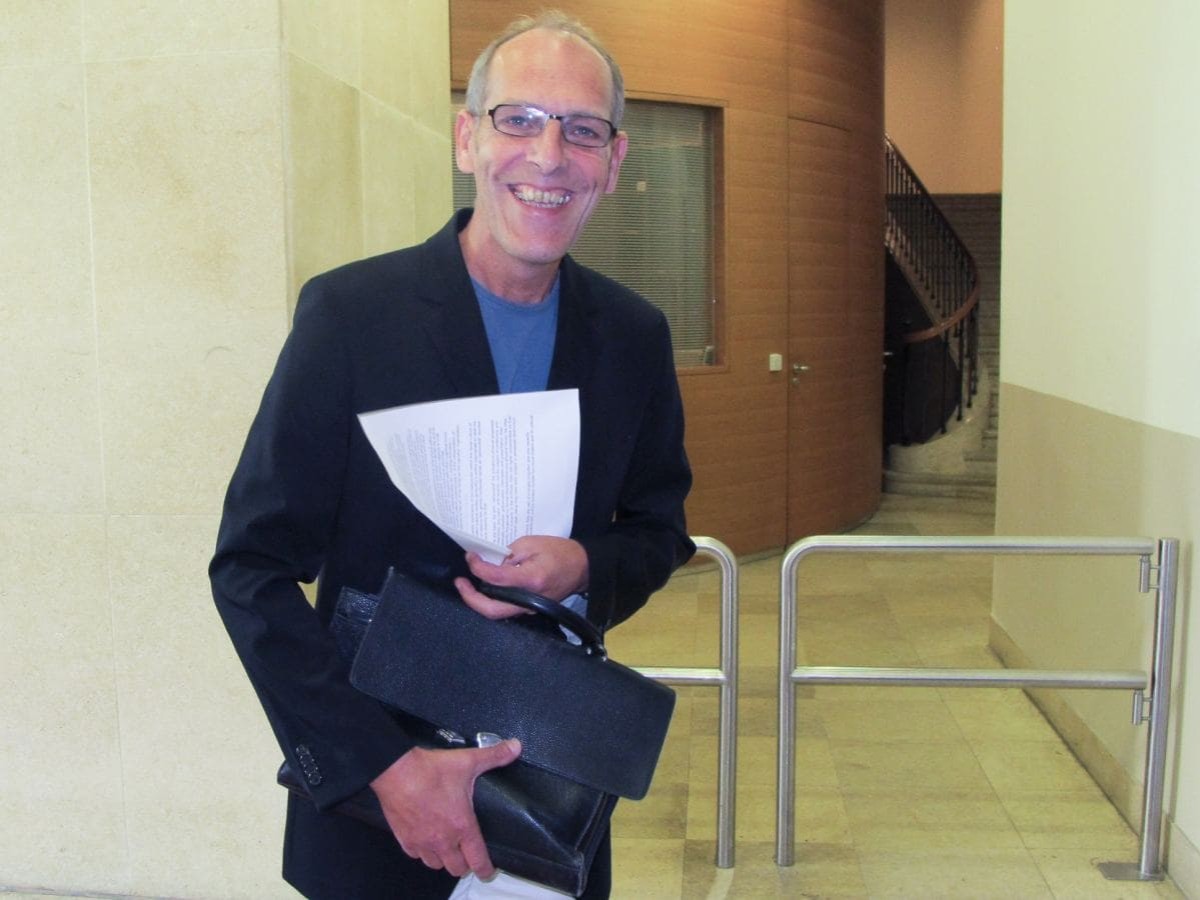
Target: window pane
656, 232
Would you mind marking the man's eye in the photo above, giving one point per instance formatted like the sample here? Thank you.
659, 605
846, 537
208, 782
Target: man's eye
581, 130
516, 121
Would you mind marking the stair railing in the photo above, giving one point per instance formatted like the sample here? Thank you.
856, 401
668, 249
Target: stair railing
942, 273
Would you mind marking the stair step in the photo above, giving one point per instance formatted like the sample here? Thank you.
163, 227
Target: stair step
985, 454
938, 485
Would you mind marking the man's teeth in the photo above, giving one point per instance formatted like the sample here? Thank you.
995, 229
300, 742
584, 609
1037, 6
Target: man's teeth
542, 198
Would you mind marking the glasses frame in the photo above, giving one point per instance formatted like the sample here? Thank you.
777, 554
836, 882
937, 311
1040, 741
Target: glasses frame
537, 114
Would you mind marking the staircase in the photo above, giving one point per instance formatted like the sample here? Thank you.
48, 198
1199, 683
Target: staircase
962, 462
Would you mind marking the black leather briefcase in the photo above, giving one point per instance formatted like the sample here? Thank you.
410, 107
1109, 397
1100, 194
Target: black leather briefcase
453, 677
577, 712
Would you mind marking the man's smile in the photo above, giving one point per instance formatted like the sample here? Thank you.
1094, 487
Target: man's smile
547, 199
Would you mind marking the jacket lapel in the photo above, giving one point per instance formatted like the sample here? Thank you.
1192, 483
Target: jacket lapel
453, 322
455, 326
575, 343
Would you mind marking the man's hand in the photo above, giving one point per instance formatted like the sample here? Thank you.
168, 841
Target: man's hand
426, 799
554, 567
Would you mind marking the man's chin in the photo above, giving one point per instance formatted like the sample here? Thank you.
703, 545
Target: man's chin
540, 252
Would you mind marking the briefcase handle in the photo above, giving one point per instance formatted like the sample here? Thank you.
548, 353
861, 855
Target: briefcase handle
563, 616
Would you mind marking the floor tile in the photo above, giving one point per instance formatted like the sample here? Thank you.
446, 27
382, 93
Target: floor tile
936, 821
1069, 821
866, 767
650, 868
884, 721
980, 874
1017, 767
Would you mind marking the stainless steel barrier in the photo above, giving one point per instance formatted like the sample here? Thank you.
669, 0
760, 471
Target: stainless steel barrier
724, 677
1165, 553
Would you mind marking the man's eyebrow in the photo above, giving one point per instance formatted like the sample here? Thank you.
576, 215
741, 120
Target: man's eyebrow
572, 112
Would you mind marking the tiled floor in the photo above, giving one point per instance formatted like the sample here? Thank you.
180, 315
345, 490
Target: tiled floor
901, 792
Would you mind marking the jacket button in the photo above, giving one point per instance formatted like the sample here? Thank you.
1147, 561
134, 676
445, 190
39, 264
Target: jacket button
309, 765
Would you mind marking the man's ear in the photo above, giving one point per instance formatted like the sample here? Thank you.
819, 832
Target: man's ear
464, 130
620, 146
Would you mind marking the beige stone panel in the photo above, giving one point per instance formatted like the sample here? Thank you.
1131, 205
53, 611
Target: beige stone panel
187, 186
429, 44
433, 197
328, 34
50, 441
45, 31
1183, 861
60, 772
324, 172
388, 177
135, 29
387, 59
204, 813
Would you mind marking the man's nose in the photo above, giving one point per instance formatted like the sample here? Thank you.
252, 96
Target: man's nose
546, 150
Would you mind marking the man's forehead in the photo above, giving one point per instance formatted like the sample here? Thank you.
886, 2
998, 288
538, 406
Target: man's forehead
548, 54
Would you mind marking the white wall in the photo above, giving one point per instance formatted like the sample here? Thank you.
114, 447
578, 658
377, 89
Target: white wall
1102, 101
1100, 330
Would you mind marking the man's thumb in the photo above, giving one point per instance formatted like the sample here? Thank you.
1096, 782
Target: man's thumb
500, 755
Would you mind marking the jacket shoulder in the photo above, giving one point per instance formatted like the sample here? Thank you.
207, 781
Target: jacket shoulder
433, 264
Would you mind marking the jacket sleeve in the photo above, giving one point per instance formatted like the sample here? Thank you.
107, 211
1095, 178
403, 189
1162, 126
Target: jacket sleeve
276, 526
647, 537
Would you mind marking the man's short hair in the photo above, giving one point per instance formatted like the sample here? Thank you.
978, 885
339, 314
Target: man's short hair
556, 21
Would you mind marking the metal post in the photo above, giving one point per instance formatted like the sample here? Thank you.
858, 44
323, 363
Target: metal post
1160, 709
785, 779
1149, 866
726, 679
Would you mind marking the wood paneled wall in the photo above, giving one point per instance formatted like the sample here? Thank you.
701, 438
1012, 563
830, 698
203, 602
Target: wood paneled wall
768, 64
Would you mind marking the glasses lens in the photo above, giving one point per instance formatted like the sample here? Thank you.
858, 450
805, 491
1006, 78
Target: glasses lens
587, 131
519, 121
529, 121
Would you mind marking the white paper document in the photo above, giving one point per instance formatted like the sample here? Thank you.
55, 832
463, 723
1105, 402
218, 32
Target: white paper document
486, 470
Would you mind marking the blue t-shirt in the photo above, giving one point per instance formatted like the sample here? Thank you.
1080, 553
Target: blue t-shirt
521, 336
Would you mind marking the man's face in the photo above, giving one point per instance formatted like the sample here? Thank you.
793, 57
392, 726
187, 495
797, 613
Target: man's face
534, 194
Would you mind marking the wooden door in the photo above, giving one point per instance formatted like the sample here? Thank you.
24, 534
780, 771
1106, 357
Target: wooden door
818, 312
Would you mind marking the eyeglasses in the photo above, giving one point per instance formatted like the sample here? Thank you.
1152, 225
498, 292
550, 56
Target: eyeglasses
530, 121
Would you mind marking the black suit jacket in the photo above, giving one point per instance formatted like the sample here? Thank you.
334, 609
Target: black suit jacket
310, 500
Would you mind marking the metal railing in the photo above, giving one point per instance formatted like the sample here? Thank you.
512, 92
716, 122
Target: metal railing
943, 274
1165, 552
725, 678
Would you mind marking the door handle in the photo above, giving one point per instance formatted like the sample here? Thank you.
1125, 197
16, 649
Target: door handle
798, 369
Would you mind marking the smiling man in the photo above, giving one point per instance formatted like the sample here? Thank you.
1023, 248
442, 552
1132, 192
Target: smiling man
490, 304
537, 178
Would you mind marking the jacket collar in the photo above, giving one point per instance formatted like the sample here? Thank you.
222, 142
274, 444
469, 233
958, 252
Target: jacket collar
455, 325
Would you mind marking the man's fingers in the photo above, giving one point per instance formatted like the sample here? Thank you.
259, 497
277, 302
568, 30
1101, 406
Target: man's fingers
475, 856
484, 605
426, 798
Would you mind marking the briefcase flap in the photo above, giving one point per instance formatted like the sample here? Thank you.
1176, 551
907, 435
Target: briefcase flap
579, 715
